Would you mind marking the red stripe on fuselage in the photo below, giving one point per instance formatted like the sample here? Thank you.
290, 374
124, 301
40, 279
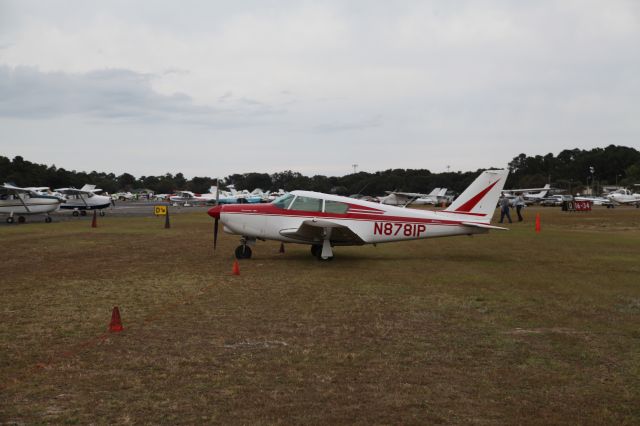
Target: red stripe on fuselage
270, 210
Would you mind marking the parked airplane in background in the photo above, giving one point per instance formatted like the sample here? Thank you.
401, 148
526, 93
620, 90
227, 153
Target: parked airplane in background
83, 199
324, 221
188, 198
434, 198
624, 196
597, 201
530, 197
396, 198
235, 197
24, 201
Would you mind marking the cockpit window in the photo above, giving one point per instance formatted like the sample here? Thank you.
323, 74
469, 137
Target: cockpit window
307, 204
335, 207
283, 201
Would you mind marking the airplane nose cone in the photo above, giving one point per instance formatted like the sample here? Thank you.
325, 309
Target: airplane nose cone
214, 212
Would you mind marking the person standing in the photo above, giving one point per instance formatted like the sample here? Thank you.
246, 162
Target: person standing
504, 209
519, 206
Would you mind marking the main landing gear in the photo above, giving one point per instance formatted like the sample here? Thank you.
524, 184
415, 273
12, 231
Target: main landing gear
322, 251
11, 219
21, 219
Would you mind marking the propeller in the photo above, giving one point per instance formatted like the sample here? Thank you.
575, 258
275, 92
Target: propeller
217, 217
215, 233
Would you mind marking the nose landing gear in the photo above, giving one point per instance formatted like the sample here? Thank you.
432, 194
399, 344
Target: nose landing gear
243, 251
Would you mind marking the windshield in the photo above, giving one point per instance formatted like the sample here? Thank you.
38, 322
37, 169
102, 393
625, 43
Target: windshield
283, 201
307, 204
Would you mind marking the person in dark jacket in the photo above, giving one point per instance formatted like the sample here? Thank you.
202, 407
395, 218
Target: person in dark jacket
504, 209
519, 206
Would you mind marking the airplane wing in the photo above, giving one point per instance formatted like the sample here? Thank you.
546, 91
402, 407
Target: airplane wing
72, 191
14, 188
627, 201
313, 231
408, 194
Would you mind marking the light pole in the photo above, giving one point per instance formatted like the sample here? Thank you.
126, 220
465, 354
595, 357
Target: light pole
355, 167
592, 170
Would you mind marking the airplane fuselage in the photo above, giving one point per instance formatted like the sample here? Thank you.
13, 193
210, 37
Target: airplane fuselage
83, 202
26, 205
373, 223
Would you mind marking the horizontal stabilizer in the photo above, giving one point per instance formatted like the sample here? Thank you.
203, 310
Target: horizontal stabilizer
483, 226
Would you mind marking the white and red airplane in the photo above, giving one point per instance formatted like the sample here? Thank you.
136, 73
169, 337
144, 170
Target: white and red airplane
324, 221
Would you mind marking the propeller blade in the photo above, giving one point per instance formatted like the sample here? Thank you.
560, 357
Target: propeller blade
217, 193
215, 233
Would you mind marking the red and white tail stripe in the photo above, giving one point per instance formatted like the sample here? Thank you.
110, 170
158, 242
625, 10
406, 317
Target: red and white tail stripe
481, 197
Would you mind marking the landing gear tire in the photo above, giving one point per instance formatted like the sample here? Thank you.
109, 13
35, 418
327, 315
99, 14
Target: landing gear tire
102, 213
243, 252
21, 219
47, 219
75, 213
9, 219
316, 251
83, 213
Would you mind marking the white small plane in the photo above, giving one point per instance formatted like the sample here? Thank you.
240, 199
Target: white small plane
232, 196
324, 221
83, 199
25, 201
530, 195
433, 198
396, 198
624, 196
596, 201
188, 198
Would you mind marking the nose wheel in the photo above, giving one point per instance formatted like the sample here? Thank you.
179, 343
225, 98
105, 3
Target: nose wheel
243, 252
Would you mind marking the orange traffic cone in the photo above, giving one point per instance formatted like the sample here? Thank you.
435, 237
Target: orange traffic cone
538, 223
281, 248
116, 322
94, 222
236, 268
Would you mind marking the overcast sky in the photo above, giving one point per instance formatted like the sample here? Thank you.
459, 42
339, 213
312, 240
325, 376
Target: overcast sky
210, 88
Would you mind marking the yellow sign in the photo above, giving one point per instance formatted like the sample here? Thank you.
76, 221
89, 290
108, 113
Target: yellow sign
160, 210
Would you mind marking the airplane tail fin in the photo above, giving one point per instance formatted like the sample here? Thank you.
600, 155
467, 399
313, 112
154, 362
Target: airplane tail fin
544, 192
442, 192
434, 192
481, 197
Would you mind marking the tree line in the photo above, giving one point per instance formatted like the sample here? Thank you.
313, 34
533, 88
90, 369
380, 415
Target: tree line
572, 169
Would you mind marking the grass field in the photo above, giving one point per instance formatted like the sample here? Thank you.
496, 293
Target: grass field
507, 328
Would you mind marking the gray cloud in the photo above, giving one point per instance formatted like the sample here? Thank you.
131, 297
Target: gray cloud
110, 94
465, 83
